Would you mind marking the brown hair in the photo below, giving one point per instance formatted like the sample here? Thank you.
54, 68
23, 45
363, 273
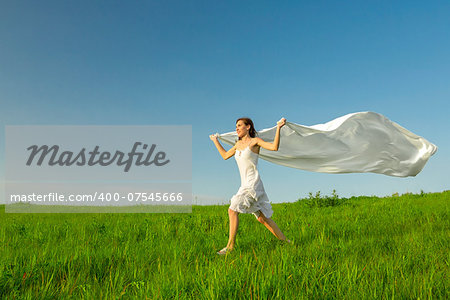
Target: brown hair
247, 121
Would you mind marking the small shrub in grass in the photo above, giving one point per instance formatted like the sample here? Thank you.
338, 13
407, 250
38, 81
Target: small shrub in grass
319, 200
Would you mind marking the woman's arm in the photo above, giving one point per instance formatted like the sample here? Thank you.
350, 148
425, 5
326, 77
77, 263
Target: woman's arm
276, 142
225, 154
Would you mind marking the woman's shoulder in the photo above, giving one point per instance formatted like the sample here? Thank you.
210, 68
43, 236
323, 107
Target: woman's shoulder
254, 143
255, 140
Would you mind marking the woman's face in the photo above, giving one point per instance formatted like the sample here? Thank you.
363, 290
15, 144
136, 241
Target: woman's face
241, 128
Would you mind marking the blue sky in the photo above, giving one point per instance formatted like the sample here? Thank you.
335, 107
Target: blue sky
206, 63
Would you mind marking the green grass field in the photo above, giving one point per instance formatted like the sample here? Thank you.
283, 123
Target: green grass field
364, 247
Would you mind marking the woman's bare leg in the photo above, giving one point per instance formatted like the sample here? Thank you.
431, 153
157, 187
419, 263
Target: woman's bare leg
272, 226
234, 224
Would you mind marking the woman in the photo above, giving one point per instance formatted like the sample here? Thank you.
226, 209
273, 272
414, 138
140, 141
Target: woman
251, 197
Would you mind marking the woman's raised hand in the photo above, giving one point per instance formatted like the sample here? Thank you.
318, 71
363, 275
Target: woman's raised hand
213, 137
281, 122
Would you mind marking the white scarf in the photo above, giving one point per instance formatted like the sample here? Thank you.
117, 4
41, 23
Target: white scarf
354, 143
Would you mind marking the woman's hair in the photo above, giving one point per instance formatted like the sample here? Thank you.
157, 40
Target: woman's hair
247, 121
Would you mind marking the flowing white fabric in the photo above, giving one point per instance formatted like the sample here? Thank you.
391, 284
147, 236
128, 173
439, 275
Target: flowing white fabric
355, 143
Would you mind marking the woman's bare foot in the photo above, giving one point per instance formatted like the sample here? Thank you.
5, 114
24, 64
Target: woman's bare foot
224, 251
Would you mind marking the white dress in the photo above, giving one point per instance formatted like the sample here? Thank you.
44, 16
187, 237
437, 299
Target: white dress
251, 196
